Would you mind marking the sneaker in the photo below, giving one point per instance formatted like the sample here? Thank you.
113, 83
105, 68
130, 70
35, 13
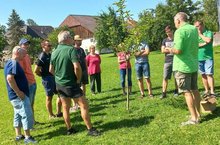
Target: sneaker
151, 96
20, 137
93, 132
142, 96
29, 140
59, 114
189, 122
175, 95
71, 131
163, 95
213, 95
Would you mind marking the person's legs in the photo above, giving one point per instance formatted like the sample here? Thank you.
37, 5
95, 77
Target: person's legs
211, 83
32, 92
209, 71
197, 99
205, 83
92, 83
66, 101
191, 105
139, 74
98, 82
58, 106
146, 74
141, 86
84, 111
49, 105
164, 85
122, 78
149, 88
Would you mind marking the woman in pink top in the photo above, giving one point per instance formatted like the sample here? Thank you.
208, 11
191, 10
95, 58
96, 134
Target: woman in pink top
124, 63
93, 61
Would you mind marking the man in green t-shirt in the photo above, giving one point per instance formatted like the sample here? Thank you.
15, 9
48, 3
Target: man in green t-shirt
67, 71
185, 64
206, 63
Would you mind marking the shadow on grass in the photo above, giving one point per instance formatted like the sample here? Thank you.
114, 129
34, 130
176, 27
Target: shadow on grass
215, 114
127, 123
177, 102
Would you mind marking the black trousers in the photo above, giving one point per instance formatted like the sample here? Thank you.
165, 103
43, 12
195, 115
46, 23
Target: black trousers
95, 78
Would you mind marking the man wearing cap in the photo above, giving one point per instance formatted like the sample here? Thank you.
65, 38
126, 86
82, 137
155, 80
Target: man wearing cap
18, 94
81, 56
26, 65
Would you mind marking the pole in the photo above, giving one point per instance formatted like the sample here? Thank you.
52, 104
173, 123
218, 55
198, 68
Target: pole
128, 103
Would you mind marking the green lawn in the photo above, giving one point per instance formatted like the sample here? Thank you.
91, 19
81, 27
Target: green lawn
149, 121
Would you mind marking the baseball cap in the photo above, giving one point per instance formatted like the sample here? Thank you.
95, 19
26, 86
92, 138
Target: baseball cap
23, 41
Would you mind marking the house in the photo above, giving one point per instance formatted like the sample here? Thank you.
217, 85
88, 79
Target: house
38, 31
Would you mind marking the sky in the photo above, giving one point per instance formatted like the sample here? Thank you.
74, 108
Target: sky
53, 12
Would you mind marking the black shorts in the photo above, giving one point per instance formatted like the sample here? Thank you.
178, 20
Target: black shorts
69, 91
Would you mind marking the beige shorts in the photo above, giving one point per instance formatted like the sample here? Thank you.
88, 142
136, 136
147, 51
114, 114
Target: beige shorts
186, 82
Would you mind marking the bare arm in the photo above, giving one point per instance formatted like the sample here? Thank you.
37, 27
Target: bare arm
37, 70
206, 39
11, 81
174, 51
77, 71
164, 49
51, 69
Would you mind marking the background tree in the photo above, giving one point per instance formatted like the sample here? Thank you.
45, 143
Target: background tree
31, 22
15, 25
52, 37
3, 40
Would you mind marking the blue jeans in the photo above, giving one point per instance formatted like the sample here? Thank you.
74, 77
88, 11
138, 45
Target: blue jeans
32, 92
122, 77
23, 116
142, 69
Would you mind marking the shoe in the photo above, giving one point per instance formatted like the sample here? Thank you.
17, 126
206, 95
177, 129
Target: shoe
59, 114
151, 96
74, 109
213, 95
93, 132
52, 117
163, 95
142, 96
20, 137
30, 140
175, 95
71, 131
189, 122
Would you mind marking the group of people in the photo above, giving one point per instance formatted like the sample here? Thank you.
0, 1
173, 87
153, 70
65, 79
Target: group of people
187, 51
65, 72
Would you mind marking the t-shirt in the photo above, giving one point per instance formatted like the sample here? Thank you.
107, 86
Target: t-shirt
186, 40
123, 65
206, 51
93, 63
81, 56
62, 59
142, 59
12, 67
168, 43
44, 62
26, 65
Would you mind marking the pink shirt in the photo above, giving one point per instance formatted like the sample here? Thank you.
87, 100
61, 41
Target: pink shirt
26, 65
123, 64
93, 62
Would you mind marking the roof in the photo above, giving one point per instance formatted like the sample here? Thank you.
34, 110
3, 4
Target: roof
38, 31
86, 21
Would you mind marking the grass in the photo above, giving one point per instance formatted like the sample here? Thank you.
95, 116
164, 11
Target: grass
149, 121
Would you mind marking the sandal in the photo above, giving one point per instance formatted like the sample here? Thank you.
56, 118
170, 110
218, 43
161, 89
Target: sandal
189, 122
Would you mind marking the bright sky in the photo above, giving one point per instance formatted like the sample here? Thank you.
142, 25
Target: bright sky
53, 12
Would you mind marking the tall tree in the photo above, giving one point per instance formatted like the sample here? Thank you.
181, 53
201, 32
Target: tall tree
15, 25
3, 40
31, 22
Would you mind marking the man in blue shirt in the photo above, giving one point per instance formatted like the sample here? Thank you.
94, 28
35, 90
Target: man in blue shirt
18, 94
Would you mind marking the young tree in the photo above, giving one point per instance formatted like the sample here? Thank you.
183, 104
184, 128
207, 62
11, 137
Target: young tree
15, 25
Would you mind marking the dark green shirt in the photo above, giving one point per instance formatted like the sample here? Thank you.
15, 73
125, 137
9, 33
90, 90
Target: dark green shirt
62, 59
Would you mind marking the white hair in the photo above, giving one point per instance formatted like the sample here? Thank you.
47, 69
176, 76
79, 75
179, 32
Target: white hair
17, 49
181, 16
63, 35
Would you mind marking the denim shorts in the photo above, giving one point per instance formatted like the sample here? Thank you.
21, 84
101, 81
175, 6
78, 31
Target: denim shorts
32, 92
23, 116
186, 82
49, 85
206, 67
167, 71
142, 69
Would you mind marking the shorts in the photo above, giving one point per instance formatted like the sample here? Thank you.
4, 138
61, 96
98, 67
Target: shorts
206, 67
84, 79
186, 82
142, 69
23, 115
32, 92
49, 85
69, 91
167, 71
